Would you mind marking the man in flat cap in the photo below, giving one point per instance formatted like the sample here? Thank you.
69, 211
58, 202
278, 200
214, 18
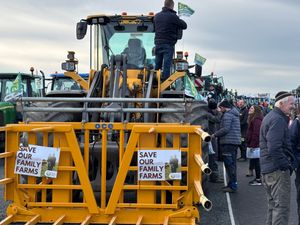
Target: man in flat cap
277, 159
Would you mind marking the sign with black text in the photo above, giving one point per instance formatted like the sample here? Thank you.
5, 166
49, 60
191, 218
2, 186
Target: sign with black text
38, 161
155, 165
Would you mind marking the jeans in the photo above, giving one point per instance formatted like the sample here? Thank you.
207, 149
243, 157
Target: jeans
254, 164
229, 157
278, 187
214, 167
297, 183
243, 148
163, 59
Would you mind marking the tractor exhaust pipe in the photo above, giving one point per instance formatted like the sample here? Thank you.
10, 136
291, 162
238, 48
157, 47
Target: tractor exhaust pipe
43, 83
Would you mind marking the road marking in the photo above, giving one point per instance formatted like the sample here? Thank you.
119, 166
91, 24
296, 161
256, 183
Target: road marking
228, 199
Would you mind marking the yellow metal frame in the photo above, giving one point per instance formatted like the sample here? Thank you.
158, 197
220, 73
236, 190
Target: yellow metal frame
29, 197
171, 80
76, 77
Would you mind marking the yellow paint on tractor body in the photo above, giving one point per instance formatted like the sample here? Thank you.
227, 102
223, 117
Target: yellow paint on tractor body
85, 191
49, 200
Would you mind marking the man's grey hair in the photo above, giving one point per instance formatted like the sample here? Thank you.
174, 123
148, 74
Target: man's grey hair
284, 100
169, 4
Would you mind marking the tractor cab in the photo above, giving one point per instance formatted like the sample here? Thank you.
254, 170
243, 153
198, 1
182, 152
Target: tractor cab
63, 86
120, 34
13, 84
132, 36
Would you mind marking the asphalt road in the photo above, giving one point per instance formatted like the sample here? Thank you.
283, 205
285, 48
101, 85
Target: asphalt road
249, 204
3, 204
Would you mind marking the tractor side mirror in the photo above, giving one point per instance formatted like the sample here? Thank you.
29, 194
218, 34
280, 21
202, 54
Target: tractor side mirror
81, 29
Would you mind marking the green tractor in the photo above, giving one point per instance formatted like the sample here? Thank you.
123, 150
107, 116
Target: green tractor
14, 86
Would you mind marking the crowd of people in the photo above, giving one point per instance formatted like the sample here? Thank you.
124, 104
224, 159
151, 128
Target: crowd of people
268, 138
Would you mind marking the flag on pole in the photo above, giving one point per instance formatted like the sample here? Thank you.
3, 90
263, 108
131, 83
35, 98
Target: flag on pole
190, 89
15, 91
199, 60
199, 82
17, 84
184, 10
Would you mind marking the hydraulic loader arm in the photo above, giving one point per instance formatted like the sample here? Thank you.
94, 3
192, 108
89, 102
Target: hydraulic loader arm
75, 76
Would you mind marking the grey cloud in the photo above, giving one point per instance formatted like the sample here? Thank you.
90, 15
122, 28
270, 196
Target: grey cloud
254, 43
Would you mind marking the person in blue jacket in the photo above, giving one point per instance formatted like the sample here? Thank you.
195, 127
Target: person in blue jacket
277, 159
229, 135
168, 29
295, 140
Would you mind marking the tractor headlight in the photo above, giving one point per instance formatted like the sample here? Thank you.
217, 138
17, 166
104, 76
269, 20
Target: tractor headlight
68, 66
70, 63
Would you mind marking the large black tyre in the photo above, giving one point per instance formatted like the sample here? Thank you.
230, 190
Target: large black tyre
54, 116
51, 117
196, 114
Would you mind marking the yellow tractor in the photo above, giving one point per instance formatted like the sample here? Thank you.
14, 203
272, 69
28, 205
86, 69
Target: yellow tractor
135, 157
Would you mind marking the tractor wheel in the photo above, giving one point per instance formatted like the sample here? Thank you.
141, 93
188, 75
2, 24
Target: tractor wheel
196, 114
54, 116
51, 117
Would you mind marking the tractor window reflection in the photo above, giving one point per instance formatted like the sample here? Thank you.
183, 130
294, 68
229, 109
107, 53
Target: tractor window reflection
11, 86
65, 84
119, 41
35, 87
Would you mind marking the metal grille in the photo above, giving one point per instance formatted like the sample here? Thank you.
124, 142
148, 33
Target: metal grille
126, 200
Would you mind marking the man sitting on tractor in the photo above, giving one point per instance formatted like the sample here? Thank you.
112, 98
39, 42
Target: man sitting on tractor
136, 54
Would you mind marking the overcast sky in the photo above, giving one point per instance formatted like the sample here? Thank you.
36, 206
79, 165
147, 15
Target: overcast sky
253, 44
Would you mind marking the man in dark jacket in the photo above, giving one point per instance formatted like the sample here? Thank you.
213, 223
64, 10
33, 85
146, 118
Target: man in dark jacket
168, 26
277, 159
295, 140
229, 136
244, 126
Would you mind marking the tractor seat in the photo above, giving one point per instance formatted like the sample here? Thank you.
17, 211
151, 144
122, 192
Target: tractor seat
136, 54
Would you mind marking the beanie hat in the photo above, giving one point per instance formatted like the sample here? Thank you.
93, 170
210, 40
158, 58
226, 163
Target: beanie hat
225, 103
281, 95
212, 104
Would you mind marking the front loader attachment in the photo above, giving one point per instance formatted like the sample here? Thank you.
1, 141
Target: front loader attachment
137, 195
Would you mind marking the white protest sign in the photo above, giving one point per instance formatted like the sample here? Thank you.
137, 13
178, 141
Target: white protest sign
37, 161
159, 165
